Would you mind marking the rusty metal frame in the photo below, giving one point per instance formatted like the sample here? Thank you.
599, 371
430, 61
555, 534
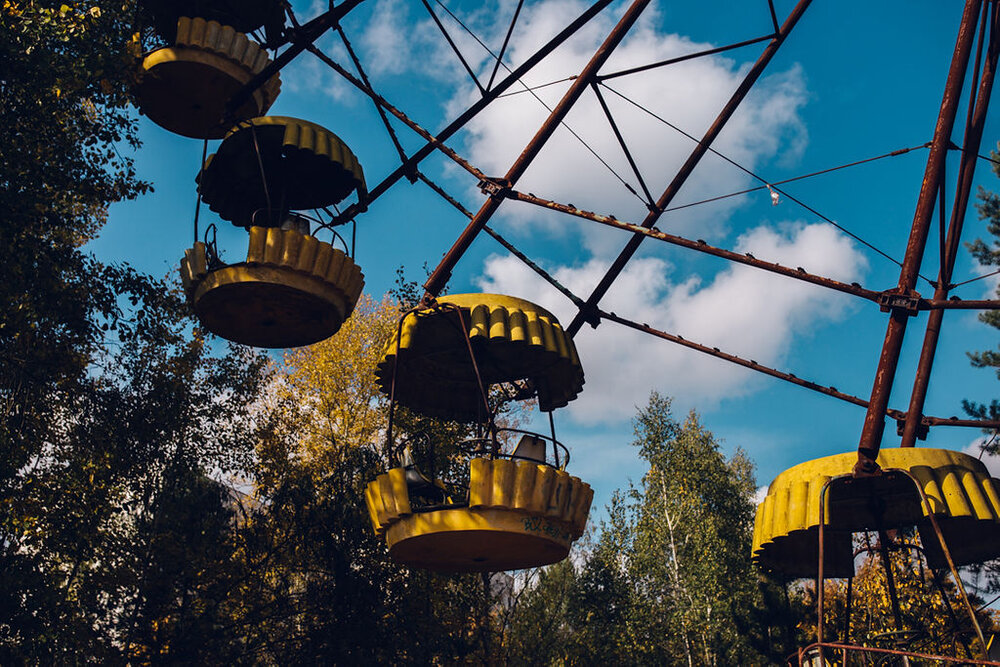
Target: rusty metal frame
693, 159
975, 123
820, 593
874, 425
901, 302
439, 278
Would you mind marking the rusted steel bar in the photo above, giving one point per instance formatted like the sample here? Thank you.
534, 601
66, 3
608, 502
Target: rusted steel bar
439, 278
874, 426
384, 104
958, 304
693, 159
739, 361
954, 421
898, 415
929, 511
821, 548
742, 258
690, 56
892, 651
302, 38
407, 167
510, 247
890, 580
967, 169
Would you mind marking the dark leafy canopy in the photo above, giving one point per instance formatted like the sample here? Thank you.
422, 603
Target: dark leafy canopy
988, 254
111, 409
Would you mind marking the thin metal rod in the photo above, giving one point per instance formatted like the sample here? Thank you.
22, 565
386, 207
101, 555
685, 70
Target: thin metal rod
690, 56
890, 580
474, 109
888, 651
693, 159
302, 38
874, 426
454, 47
197, 203
382, 103
929, 511
701, 246
364, 78
967, 168
621, 142
506, 40
510, 247
847, 610
898, 415
739, 361
821, 544
263, 174
439, 278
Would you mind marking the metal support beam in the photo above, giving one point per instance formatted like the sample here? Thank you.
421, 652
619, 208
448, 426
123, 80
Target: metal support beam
874, 426
685, 171
408, 167
967, 169
302, 38
439, 278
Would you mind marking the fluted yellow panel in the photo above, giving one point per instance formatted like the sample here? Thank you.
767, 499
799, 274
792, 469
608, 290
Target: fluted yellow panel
281, 296
518, 508
480, 482
185, 87
305, 165
962, 496
514, 340
524, 485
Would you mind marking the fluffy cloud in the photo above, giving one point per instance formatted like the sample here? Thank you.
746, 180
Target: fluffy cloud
688, 95
741, 310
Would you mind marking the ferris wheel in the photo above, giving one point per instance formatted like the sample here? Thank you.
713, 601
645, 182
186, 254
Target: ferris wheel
207, 74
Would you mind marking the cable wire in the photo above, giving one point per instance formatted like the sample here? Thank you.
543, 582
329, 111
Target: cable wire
762, 180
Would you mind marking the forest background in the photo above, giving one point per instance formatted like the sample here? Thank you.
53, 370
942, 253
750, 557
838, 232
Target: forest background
165, 498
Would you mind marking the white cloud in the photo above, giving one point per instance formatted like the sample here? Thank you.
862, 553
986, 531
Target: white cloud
741, 310
688, 95
387, 38
759, 495
992, 462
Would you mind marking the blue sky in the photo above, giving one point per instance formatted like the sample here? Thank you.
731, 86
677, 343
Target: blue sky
854, 80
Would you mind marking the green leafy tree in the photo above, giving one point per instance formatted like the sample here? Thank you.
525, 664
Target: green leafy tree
322, 587
669, 580
987, 254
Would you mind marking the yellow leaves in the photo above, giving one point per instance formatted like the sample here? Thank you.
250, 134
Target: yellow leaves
334, 381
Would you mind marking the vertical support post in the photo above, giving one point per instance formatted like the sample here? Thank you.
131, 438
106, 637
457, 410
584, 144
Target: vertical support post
442, 273
967, 169
874, 426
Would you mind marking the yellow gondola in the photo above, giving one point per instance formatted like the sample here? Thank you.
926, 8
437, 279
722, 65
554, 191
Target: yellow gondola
513, 511
292, 290
513, 339
185, 87
276, 164
243, 15
964, 498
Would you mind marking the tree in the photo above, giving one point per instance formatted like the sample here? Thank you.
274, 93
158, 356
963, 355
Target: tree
987, 254
932, 618
669, 580
320, 584
113, 407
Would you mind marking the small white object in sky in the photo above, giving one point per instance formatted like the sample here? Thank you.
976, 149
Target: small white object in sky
775, 199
